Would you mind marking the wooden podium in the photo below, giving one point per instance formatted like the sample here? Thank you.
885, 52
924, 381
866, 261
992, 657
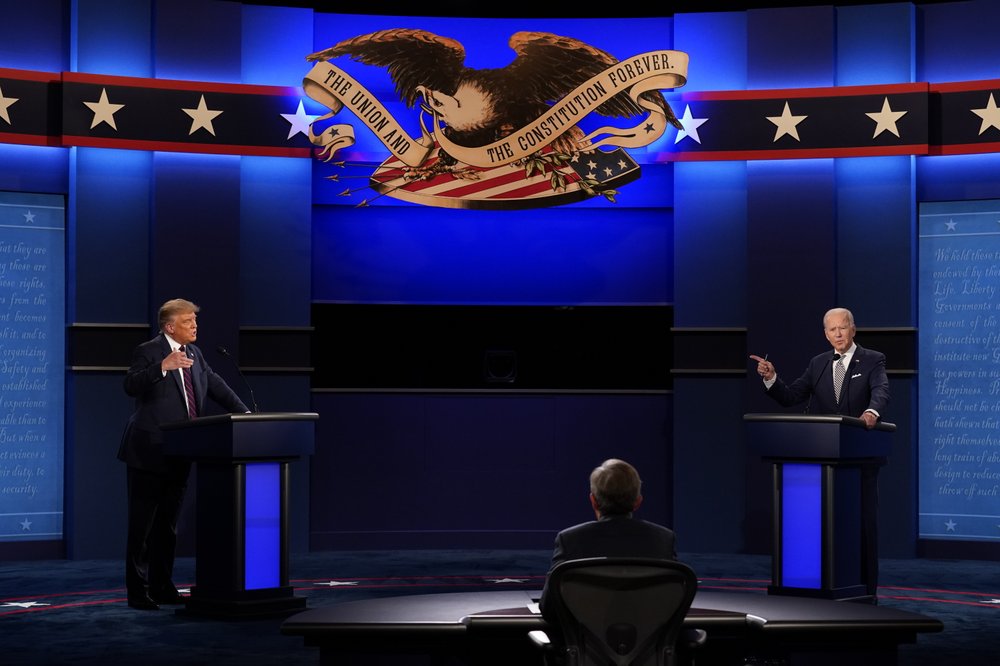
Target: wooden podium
824, 482
241, 547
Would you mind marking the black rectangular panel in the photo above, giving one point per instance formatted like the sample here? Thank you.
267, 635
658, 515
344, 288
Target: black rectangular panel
484, 347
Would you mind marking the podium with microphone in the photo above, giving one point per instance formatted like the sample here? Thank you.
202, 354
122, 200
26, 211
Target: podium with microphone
242, 504
824, 467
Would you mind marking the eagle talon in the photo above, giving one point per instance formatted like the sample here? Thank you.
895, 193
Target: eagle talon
439, 167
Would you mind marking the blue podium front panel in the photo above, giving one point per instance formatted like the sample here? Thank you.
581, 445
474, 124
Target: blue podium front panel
262, 538
801, 525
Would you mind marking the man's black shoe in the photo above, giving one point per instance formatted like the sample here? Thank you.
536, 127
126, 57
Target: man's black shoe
143, 603
169, 598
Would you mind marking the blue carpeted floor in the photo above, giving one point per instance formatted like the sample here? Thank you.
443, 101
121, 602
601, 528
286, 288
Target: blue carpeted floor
74, 612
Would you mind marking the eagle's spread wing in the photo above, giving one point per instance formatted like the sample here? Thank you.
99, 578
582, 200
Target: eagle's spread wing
549, 66
412, 57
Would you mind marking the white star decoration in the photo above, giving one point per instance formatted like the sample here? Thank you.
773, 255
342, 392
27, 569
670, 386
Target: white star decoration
29, 217
338, 583
885, 120
201, 118
950, 225
23, 604
950, 525
300, 121
990, 115
104, 111
786, 124
608, 171
691, 126
6, 103
26, 525
506, 580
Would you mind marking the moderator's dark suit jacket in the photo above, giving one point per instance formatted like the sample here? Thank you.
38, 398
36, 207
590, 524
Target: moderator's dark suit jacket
866, 385
612, 536
160, 399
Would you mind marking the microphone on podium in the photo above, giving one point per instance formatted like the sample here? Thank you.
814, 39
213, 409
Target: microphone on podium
822, 372
225, 352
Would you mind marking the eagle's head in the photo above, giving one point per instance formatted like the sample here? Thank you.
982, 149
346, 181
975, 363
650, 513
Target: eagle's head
472, 110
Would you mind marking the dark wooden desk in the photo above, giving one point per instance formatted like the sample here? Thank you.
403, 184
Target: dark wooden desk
491, 628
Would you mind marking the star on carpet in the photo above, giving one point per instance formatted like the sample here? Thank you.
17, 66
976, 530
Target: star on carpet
23, 604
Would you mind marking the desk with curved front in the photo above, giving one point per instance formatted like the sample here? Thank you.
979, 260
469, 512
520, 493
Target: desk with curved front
487, 628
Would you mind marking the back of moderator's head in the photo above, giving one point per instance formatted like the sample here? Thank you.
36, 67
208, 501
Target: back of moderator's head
616, 487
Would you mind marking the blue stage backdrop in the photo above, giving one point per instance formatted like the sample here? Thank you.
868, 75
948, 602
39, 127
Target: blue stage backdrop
32, 324
959, 363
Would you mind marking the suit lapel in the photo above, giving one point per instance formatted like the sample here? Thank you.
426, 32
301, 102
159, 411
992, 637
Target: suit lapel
174, 374
852, 369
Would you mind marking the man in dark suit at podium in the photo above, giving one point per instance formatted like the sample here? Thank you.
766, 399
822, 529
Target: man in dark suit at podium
170, 380
615, 493
864, 386
850, 381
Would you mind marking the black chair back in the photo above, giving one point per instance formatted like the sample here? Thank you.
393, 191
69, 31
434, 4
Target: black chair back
620, 611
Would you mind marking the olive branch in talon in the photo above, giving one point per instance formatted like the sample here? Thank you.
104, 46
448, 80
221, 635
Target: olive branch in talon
557, 181
589, 185
538, 162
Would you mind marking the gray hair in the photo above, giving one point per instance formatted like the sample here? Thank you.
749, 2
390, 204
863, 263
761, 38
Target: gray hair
616, 487
832, 312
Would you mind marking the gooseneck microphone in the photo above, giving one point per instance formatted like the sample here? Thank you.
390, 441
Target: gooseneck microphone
225, 352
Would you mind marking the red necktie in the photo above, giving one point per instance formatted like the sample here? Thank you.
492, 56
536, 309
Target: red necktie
189, 389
